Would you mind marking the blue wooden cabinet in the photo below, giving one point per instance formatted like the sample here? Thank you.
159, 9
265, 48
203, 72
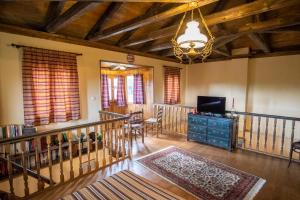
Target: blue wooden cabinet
216, 131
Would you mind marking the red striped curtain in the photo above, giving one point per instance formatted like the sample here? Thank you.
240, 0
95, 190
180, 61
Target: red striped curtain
172, 85
121, 95
104, 91
50, 86
138, 89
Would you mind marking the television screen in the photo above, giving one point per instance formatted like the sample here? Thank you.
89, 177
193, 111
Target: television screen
208, 104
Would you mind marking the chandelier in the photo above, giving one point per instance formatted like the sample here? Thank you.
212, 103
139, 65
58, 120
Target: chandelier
192, 43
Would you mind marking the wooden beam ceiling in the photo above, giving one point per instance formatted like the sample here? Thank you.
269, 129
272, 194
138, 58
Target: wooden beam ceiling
107, 14
54, 10
237, 12
145, 19
69, 15
259, 42
72, 40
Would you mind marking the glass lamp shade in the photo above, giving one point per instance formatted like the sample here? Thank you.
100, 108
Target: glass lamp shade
192, 37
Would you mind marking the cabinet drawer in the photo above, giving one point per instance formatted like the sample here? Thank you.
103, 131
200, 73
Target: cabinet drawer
222, 133
218, 142
197, 136
220, 123
197, 120
197, 128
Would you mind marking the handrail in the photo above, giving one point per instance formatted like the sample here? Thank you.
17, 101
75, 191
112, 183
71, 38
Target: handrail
119, 117
238, 112
30, 172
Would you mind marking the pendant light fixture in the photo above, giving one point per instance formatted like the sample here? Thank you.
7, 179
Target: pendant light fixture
193, 42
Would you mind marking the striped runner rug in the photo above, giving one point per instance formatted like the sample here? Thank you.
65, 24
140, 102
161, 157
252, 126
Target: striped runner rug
123, 185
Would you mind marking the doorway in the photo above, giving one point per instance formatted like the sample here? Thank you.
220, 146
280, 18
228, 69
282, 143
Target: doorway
135, 85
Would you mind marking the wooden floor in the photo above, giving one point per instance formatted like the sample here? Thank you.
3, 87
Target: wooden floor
282, 182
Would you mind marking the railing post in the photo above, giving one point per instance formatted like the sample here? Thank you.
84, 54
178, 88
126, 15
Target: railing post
266, 131
24, 165
49, 159
283, 135
103, 131
251, 130
59, 137
87, 132
96, 147
10, 171
123, 141
70, 137
258, 133
79, 151
274, 133
38, 149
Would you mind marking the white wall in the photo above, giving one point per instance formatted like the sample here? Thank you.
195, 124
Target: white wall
268, 85
11, 98
224, 78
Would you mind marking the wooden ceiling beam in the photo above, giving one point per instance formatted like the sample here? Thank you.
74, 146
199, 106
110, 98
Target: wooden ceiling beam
145, 19
103, 19
128, 34
237, 12
220, 52
69, 15
54, 10
259, 42
150, 1
55, 37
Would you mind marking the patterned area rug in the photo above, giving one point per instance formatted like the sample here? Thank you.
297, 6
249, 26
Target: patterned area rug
124, 185
204, 178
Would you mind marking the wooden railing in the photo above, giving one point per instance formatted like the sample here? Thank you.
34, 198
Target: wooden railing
54, 157
262, 133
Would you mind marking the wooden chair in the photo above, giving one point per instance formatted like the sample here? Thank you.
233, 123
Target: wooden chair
295, 147
157, 122
136, 124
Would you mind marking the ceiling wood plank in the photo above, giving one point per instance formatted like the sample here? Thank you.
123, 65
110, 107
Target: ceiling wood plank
237, 12
223, 53
54, 9
128, 34
259, 42
151, 1
103, 19
145, 19
55, 37
69, 15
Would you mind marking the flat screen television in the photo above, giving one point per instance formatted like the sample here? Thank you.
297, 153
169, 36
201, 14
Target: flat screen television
215, 105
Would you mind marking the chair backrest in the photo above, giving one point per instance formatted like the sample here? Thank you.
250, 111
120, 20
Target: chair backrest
136, 116
159, 114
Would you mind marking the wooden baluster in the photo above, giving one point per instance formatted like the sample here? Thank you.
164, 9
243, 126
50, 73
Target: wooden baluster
87, 132
79, 151
165, 117
176, 119
103, 144
274, 134
169, 118
116, 132
24, 165
10, 172
180, 120
129, 143
283, 136
258, 133
110, 132
38, 149
96, 146
266, 131
251, 130
49, 159
123, 142
70, 138
293, 132
244, 126
61, 159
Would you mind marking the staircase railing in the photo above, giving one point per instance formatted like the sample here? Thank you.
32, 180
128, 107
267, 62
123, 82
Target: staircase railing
53, 157
262, 133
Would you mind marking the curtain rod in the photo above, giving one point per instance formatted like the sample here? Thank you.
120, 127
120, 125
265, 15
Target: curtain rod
20, 46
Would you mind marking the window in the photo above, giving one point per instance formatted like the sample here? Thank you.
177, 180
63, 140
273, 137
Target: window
50, 86
109, 90
130, 89
115, 88
172, 85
